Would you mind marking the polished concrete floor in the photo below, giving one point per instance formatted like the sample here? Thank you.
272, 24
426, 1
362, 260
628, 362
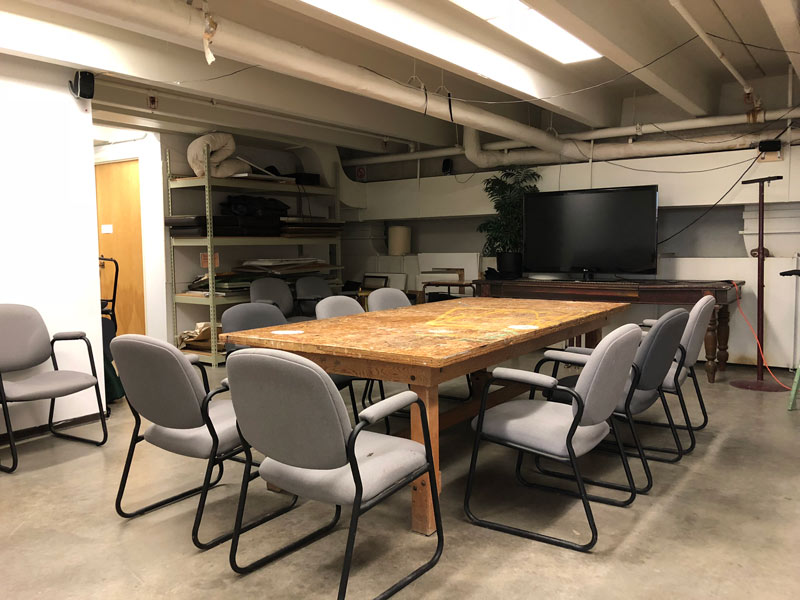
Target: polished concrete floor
723, 523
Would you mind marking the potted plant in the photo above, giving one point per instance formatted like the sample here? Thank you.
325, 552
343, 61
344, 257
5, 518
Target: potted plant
504, 229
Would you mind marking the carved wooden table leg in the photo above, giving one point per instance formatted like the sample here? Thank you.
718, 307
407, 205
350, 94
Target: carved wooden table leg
711, 347
422, 518
723, 333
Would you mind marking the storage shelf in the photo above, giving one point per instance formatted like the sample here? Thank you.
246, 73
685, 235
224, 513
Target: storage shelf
237, 184
206, 300
254, 241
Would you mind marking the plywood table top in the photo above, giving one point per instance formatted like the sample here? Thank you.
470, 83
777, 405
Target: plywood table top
433, 335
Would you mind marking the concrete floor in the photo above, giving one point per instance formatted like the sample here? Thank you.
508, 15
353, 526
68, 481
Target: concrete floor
724, 523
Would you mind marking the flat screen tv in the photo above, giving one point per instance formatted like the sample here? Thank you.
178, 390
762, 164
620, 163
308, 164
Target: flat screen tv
609, 230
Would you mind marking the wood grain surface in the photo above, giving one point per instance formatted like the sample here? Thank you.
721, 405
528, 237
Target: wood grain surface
432, 335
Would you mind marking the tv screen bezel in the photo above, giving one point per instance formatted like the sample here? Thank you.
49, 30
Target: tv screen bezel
650, 271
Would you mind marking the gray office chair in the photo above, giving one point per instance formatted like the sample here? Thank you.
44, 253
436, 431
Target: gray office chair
250, 315
391, 298
25, 343
653, 361
162, 386
343, 306
562, 432
683, 367
288, 409
387, 299
311, 290
271, 290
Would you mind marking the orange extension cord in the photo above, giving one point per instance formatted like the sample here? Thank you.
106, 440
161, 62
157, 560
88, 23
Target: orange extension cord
753, 331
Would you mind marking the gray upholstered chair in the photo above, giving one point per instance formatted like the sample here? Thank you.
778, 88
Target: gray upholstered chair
250, 315
562, 432
387, 299
344, 306
25, 343
271, 290
311, 290
288, 409
692, 340
162, 386
654, 359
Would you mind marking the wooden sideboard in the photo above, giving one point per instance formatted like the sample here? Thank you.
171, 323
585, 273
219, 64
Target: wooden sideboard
652, 291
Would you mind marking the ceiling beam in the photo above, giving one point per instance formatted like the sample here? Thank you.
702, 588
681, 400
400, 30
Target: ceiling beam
785, 18
628, 38
46, 35
447, 34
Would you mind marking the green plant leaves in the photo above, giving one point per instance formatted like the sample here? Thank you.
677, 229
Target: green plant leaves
506, 191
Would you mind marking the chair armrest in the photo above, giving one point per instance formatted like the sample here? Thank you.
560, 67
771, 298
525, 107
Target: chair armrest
384, 408
68, 335
309, 298
224, 384
265, 301
648, 322
579, 350
526, 377
193, 358
570, 358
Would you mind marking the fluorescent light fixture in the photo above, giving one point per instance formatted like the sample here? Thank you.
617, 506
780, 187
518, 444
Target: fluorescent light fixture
521, 21
395, 21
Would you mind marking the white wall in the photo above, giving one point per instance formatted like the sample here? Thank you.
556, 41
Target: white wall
151, 195
48, 219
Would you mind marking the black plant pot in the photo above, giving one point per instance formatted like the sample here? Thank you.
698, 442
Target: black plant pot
509, 264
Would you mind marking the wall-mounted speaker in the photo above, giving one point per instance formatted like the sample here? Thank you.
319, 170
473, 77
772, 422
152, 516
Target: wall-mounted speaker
82, 86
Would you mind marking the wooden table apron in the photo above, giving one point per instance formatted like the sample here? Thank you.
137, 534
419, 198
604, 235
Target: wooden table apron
428, 344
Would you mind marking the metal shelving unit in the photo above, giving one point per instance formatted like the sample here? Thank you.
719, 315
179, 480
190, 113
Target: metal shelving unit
209, 185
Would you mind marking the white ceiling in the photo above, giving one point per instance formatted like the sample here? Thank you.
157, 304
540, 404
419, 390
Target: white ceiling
690, 81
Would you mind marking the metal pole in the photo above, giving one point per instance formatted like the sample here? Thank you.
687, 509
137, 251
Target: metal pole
760, 256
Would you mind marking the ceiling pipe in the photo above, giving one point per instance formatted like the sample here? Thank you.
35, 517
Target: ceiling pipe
178, 22
487, 159
748, 89
751, 117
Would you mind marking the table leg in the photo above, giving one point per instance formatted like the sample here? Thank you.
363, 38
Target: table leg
593, 338
723, 333
422, 519
711, 347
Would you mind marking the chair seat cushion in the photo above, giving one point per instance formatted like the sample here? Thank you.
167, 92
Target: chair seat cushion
382, 461
669, 380
541, 426
196, 442
50, 384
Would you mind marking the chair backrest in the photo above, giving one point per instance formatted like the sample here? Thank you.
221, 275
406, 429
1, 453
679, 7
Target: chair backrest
160, 383
24, 339
288, 408
657, 350
695, 332
604, 377
274, 289
338, 306
387, 299
250, 315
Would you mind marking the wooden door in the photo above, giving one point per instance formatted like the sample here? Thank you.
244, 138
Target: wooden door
119, 227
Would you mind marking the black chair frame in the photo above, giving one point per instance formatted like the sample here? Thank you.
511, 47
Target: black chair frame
573, 461
50, 424
215, 459
359, 509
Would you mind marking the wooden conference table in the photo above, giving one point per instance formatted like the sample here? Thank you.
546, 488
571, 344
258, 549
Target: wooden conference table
428, 344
